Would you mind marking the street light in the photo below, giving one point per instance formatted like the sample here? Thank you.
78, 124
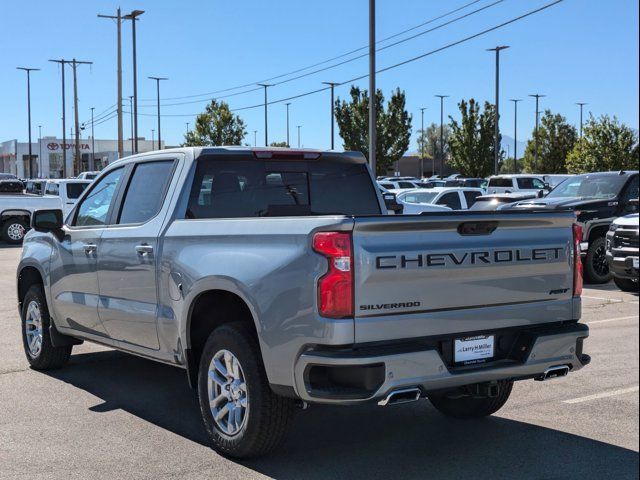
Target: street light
422, 142
255, 138
266, 126
441, 97
537, 96
287, 105
496, 146
29, 70
40, 150
299, 127
133, 17
581, 105
515, 133
332, 85
372, 86
157, 79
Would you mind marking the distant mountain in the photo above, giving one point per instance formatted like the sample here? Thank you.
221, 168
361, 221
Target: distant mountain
507, 140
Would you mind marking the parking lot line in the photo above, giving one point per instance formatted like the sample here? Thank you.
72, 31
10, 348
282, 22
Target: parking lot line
617, 319
597, 396
610, 300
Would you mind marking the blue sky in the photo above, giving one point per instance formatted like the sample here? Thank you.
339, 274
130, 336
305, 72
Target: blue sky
578, 50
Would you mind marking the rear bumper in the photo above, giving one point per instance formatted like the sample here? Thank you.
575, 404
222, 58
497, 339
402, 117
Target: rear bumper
622, 267
390, 368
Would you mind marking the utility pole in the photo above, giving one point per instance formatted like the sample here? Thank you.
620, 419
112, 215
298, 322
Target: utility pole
187, 128
287, 105
255, 138
332, 85
581, 105
118, 18
76, 162
372, 86
496, 145
422, 142
515, 133
299, 126
441, 97
40, 151
131, 122
153, 137
266, 129
62, 63
157, 79
537, 96
93, 143
28, 70
133, 17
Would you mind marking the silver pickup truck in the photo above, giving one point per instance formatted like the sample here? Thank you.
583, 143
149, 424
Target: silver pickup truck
275, 280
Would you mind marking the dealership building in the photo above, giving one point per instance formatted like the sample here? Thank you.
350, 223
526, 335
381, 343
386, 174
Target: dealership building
47, 156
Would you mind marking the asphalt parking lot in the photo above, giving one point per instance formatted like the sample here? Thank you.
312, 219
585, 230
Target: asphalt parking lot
110, 415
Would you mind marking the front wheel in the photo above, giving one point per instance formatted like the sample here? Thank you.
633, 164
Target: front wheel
242, 415
596, 264
626, 284
14, 230
41, 354
464, 405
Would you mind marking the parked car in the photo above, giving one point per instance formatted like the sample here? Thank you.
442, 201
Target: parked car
597, 199
432, 183
498, 201
555, 179
274, 278
517, 183
88, 175
468, 182
34, 187
8, 176
421, 200
623, 251
16, 208
398, 184
68, 190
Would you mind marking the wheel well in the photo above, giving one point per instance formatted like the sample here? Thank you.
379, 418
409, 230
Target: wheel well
28, 276
598, 232
210, 310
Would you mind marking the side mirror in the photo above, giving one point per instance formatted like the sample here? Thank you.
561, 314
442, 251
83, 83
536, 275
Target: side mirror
47, 220
540, 193
547, 186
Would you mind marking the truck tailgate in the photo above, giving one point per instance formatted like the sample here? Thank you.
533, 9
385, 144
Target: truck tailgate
444, 274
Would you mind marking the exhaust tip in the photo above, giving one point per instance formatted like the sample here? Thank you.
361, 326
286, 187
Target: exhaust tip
554, 372
403, 395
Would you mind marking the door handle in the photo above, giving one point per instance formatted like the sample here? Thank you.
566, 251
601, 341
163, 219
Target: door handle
144, 250
90, 248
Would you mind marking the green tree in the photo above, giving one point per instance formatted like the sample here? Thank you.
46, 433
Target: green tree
393, 126
556, 138
216, 126
606, 145
471, 143
431, 139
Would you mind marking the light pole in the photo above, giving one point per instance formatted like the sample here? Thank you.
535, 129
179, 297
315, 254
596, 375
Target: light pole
515, 133
332, 110
537, 96
581, 105
157, 79
62, 63
40, 151
29, 70
255, 138
153, 137
187, 128
372, 86
131, 121
93, 143
496, 145
441, 97
133, 17
266, 124
299, 126
422, 142
287, 105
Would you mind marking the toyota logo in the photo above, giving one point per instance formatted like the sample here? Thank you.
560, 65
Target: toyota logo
53, 146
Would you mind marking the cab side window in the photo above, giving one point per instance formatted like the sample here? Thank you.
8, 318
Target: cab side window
451, 200
145, 192
94, 208
631, 191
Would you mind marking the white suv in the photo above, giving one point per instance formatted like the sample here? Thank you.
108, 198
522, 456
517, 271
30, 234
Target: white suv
517, 183
438, 199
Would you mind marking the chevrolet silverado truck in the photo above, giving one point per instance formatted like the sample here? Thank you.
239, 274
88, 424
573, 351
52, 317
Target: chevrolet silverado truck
274, 278
623, 252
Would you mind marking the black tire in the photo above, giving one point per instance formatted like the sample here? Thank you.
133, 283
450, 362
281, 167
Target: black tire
267, 416
626, 284
466, 407
14, 230
47, 357
596, 267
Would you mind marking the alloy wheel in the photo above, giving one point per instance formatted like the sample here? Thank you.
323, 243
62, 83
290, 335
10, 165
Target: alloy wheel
227, 390
16, 232
33, 328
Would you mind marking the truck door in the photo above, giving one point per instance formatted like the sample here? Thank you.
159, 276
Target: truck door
127, 265
74, 281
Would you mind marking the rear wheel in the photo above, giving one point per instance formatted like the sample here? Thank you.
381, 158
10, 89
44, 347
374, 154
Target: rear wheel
462, 404
596, 264
41, 354
626, 284
242, 415
14, 230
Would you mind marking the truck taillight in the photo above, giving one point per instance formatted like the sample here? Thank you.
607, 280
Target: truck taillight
335, 288
578, 269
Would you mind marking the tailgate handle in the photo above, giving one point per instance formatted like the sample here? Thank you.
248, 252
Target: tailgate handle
477, 228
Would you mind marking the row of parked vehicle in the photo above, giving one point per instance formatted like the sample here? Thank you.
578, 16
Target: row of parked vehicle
20, 198
598, 200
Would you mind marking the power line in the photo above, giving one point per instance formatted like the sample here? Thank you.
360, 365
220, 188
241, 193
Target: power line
293, 72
